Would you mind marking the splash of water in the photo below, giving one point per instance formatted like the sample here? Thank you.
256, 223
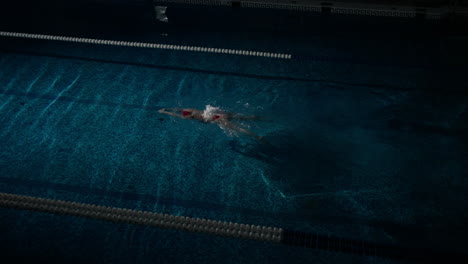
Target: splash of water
228, 131
208, 115
210, 111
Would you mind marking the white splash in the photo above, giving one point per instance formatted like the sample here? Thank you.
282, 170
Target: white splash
229, 132
208, 115
210, 111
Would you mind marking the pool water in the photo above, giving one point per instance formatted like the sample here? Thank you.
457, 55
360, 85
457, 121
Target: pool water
366, 140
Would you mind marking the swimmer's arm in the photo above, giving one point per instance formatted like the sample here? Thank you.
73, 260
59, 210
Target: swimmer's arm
179, 109
243, 130
163, 111
245, 117
173, 109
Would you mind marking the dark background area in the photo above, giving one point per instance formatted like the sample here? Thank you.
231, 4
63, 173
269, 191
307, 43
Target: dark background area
94, 18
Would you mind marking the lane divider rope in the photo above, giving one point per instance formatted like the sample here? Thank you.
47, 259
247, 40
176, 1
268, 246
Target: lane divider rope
147, 45
226, 229
114, 214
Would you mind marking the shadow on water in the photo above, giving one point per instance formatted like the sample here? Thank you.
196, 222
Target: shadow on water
301, 163
312, 172
281, 149
266, 152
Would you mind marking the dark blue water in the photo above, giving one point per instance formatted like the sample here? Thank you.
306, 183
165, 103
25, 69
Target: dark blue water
367, 141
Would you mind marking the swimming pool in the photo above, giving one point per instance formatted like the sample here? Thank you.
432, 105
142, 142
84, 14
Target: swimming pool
367, 132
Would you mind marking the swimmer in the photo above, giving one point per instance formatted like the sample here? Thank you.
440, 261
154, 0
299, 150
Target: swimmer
218, 117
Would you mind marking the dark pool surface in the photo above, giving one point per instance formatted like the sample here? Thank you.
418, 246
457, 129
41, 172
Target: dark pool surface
367, 140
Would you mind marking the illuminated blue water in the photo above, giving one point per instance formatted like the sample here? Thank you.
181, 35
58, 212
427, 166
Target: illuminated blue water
358, 149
